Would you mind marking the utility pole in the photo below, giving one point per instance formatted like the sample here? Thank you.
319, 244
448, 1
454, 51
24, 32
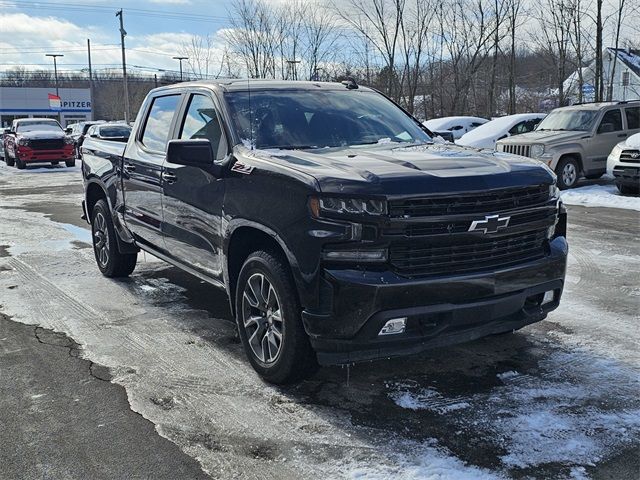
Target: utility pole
90, 76
155, 79
55, 76
123, 33
181, 59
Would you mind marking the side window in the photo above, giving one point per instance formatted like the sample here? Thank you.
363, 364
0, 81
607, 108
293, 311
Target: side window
633, 117
201, 121
457, 127
156, 129
611, 121
518, 128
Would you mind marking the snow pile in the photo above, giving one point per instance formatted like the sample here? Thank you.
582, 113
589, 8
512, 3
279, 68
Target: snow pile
600, 196
446, 123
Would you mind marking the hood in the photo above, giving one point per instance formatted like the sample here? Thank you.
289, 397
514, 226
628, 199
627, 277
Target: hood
412, 170
546, 137
42, 134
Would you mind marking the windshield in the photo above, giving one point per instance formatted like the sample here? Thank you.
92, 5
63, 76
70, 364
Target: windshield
574, 120
115, 131
34, 126
316, 119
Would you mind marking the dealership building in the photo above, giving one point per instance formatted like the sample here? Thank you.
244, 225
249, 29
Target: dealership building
73, 104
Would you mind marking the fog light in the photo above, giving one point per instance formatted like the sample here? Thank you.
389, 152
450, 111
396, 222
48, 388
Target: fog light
394, 326
356, 255
548, 297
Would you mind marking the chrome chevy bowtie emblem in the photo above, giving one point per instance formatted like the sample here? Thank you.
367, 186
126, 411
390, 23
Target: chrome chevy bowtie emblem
490, 224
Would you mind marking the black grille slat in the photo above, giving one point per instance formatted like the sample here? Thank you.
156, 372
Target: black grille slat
413, 260
478, 202
47, 144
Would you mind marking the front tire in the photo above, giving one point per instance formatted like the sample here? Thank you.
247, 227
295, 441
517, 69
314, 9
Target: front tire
568, 172
110, 261
9, 160
70, 163
269, 322
20, 165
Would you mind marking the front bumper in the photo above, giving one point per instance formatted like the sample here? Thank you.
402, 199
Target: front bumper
440, 311
29, 155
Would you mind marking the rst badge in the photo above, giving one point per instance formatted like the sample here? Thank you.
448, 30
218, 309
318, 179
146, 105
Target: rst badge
490, 224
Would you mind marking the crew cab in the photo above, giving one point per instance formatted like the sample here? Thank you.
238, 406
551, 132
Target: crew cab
37, 140
77, 131
575, 141
339, 230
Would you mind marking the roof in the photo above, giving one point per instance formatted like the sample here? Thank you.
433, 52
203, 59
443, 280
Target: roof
630, 57
260, 84
596, 105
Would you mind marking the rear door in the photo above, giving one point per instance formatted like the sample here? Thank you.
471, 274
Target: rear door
610, 132
142, 170
192, 201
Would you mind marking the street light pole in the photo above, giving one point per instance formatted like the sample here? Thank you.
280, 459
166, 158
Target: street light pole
123, 33
181, 59
55, 76
55, 67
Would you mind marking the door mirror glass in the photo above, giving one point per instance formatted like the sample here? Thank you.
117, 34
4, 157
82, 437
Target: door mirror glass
195, 153
68, 130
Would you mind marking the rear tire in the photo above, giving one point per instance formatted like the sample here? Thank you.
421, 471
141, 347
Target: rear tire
110, 261
628, 189
20, 165
269, 322
568, 172
70, 163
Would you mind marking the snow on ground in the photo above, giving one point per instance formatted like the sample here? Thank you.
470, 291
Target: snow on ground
600, 196
565, 416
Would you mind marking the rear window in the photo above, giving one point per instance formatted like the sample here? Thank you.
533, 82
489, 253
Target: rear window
158, 123
633, 117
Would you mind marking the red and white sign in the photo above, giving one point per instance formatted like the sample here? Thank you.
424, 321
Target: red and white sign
54, 102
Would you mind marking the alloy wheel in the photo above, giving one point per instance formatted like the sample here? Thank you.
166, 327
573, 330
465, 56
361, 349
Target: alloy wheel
101, 239
569, 174
262, 318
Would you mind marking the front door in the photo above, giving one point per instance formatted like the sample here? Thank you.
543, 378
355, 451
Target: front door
609, 133
142, 171
192, 201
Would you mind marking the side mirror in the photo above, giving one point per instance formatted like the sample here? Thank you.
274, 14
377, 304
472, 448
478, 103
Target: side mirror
68, 130
194, 153
606, 128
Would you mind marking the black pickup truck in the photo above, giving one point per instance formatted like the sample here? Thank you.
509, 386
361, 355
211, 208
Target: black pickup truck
340, 231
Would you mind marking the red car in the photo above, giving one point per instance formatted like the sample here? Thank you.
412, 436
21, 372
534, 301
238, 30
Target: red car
37, 140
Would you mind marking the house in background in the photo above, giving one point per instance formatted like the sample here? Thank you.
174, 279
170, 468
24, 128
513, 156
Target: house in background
626, 77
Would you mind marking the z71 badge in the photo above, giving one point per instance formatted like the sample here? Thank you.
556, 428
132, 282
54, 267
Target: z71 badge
242, 168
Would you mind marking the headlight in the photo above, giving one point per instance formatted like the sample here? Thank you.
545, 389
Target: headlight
617, 150
352, 206
23, 141
68, 141
537, 150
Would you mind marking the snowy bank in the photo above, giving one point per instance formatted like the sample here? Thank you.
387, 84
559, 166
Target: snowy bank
600, 196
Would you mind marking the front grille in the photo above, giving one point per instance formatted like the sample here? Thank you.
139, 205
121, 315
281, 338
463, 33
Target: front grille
546, 216
517, 149
630, 156
471, 256
47, 144
468, 203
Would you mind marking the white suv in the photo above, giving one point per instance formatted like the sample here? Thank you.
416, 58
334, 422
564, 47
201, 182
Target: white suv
624, 164
575, 141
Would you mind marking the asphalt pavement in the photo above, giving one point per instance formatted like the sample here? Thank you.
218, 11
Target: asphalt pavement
145, 377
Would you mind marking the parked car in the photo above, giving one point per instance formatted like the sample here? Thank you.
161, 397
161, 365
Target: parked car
77, 131
338, 229
3, 132
118, 132
458, 126
624, 165
486, 136
37, 140
575, 141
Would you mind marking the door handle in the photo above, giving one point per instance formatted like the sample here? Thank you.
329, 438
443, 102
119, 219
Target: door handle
169, 177
129, 168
